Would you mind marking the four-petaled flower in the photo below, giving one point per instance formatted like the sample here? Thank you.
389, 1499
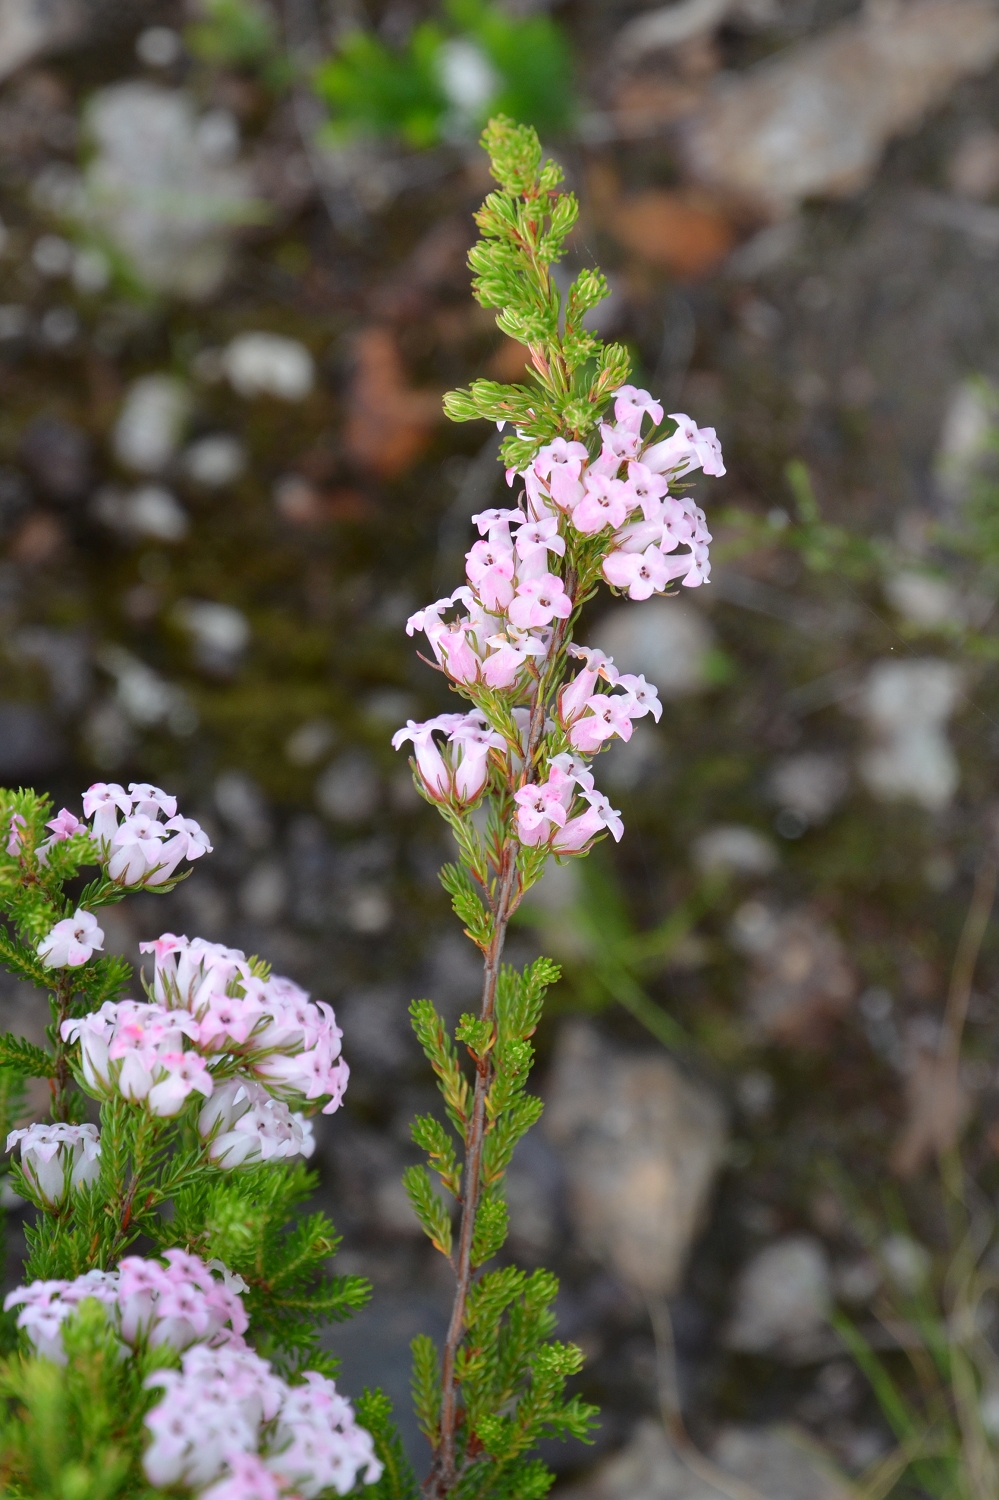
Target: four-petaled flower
71, 942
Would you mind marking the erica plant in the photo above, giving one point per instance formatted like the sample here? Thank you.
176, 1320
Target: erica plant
196, 1368
590, 464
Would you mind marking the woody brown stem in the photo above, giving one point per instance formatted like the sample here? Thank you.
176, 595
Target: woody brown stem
61, 1076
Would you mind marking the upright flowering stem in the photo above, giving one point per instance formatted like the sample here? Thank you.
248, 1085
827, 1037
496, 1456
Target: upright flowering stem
594, 499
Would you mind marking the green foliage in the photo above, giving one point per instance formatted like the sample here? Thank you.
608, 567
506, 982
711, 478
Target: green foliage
374, 1411
524, 229
426, 1384
374, 90
429, 1209
251, 1220
24, 1057
439, 1049
240, 34
512, 1377
75, 1432
467, 904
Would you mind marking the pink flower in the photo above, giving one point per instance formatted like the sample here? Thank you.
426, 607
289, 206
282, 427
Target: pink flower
430, 762
609, 717
150, 800
472, 741
135, 850
604, 504
63, 826
509, 652
598, 818
575, 696
72, 942
539, 601
16, 839
103, 801
619, 445
495, 525
540, 807
643, 696
458, 656
190, 841
560, 454
185, 1072
690, 447
641, 573
566, 489
574, 770
648, 488
490, 569
247, 1477
631, 405
692, 567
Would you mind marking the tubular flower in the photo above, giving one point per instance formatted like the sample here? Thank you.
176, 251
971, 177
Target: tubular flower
56, 1159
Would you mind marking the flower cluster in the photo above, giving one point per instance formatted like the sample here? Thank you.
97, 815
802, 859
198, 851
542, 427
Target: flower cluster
459, 773
583, 517
178, 1304
140, 850
231, 1429
57, 1159
620, 498
213, 1018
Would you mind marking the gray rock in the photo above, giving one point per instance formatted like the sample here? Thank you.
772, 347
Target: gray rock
219, 633
29, 743
641, 1145
779, 1463
816, 118
267, 364
243, 806
800, 977
810, 785
782, 1300
57, 456
163, 187
965, 446
666, 639
348, 790
906, 706
29, 28
150, 510
65, 655
733, 849
215, 460
149, 426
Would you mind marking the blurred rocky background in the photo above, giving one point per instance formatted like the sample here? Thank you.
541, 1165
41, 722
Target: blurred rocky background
225, 482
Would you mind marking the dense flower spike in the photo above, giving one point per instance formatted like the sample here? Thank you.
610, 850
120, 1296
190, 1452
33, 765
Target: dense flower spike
582, 516
606, 510
227, 1426
178, 1304
213, 1016
57, 1158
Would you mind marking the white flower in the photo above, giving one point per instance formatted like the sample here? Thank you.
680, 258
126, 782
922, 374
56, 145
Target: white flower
57, 1158
71, 942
